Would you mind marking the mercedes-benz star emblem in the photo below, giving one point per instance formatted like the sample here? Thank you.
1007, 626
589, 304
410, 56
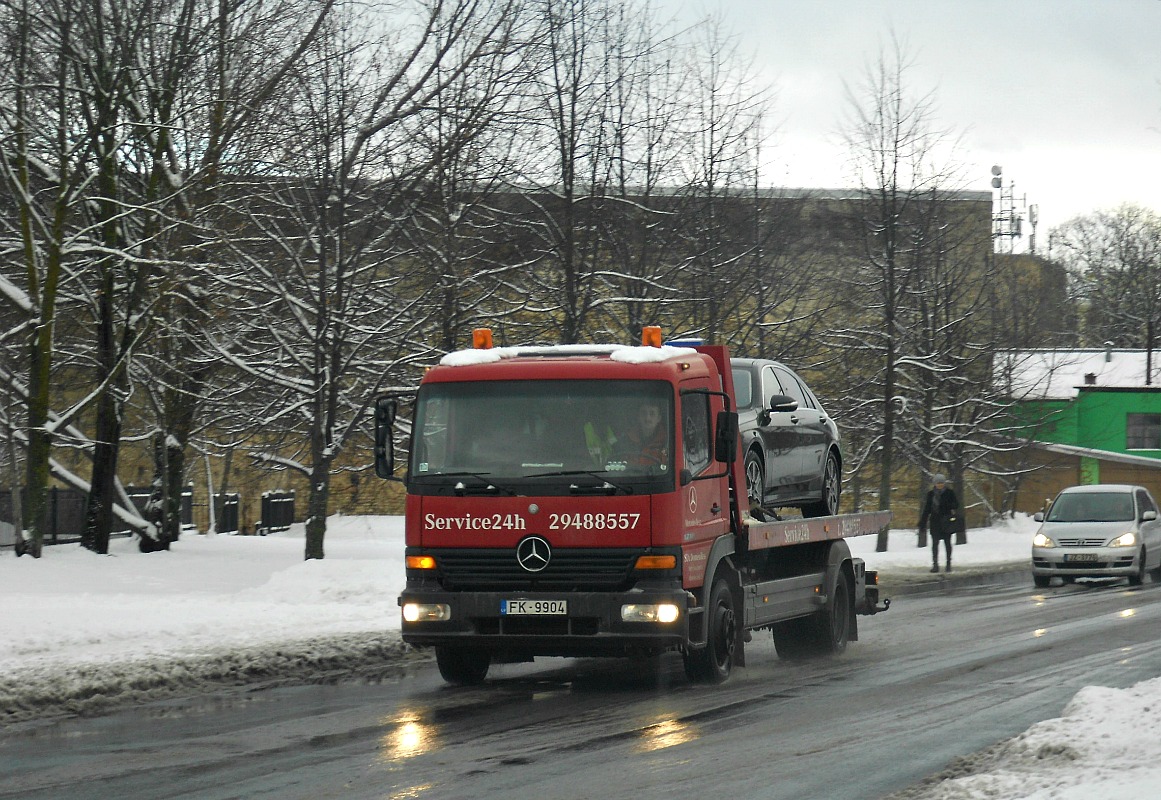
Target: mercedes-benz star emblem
533, 553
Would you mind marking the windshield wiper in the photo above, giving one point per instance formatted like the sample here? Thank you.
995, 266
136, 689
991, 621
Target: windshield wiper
460, 489
608, 488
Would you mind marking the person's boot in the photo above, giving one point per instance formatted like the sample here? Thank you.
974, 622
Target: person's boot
948, 567
935, 567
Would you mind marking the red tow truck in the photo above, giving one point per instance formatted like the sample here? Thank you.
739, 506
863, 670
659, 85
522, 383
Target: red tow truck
539, 522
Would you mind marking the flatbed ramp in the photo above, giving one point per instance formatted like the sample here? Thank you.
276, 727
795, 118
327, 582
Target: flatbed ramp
783, 533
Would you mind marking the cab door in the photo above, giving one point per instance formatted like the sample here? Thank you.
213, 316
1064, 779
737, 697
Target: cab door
703, 486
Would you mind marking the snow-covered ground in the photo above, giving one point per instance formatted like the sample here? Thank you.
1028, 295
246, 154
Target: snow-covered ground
81, 632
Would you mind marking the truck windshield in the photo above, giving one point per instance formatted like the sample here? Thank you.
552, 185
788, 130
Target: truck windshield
529, 436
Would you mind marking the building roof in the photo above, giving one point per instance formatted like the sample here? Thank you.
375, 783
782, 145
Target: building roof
1060, 374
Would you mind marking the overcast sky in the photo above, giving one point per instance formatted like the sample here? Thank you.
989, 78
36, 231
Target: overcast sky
1064, 94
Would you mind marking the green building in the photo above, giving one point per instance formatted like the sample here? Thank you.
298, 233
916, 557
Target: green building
1095, 411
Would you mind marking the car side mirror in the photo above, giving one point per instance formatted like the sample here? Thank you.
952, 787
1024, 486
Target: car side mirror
1038, 516
781, 402
386, 409
1149, 516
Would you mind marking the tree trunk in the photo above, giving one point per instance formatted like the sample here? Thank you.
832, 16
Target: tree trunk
316, 515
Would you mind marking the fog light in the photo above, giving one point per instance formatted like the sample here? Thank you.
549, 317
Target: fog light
426, 612
660, 612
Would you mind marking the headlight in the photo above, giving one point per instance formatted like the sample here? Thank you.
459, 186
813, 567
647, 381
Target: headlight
426, 612
662, 612
1125, 540
1040, 540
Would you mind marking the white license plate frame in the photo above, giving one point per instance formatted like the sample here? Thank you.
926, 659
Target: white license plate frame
533, 608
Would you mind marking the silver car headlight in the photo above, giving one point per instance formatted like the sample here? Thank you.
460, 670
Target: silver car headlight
1125, 540
1040, 540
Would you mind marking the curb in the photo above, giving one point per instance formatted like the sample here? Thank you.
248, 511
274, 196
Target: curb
906, 582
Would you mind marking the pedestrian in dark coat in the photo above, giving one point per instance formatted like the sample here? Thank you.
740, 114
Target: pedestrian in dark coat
940, 512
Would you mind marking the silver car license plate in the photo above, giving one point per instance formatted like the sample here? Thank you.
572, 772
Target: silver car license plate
1087, 557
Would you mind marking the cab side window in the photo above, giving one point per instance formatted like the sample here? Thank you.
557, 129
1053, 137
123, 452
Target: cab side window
695, 431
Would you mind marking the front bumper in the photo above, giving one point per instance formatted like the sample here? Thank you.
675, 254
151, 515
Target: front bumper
592, 626
1085, 562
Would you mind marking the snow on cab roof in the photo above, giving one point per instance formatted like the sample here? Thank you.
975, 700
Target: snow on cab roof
616, 352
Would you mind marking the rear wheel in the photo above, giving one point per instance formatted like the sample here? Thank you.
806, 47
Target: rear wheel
1138, 577
714, 662
755, 480
831, 488
1042, 581
462, 666
826, 632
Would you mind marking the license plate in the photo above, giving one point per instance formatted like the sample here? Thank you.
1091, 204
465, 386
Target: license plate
533, 608
1081, 557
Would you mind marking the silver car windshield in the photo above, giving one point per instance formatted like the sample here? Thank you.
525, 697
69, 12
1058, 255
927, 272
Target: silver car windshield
1092, 507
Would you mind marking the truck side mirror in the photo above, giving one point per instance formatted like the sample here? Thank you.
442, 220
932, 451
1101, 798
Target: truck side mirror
385, 410
726, 437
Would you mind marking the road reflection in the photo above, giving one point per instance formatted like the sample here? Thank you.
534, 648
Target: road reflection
411, 735
666, 733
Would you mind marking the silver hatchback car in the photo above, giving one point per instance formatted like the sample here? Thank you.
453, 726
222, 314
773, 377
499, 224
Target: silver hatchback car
1098, 531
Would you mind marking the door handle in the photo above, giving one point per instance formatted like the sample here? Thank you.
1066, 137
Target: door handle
715, 509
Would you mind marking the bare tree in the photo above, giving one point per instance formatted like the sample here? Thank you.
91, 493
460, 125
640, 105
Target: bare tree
1114, 262
724, 138
895, 152
327, 316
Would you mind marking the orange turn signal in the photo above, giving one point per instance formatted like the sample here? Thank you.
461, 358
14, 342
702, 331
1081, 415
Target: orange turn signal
656, 562
651, 336
482, 338
421, 562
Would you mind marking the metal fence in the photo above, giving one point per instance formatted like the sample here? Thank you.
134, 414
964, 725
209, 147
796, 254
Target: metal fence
140, 496
226, 511
63, 520
277, 511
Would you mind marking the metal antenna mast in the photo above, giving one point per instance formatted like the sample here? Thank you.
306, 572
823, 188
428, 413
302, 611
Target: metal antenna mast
1007, 221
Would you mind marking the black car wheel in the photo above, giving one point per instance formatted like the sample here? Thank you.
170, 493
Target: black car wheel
755, 480
831, 487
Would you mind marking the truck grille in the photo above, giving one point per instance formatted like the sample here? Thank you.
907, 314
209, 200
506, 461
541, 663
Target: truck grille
569, 570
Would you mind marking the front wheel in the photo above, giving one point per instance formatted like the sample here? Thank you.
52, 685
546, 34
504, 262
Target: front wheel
1042, 581
1138, 577
832, 485
714, 662
462, 666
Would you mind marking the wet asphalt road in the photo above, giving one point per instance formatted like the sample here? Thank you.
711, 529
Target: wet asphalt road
940, 675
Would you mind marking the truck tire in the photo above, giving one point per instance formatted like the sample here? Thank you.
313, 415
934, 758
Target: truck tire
826, 632
462, 666
714, 662
832, 484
